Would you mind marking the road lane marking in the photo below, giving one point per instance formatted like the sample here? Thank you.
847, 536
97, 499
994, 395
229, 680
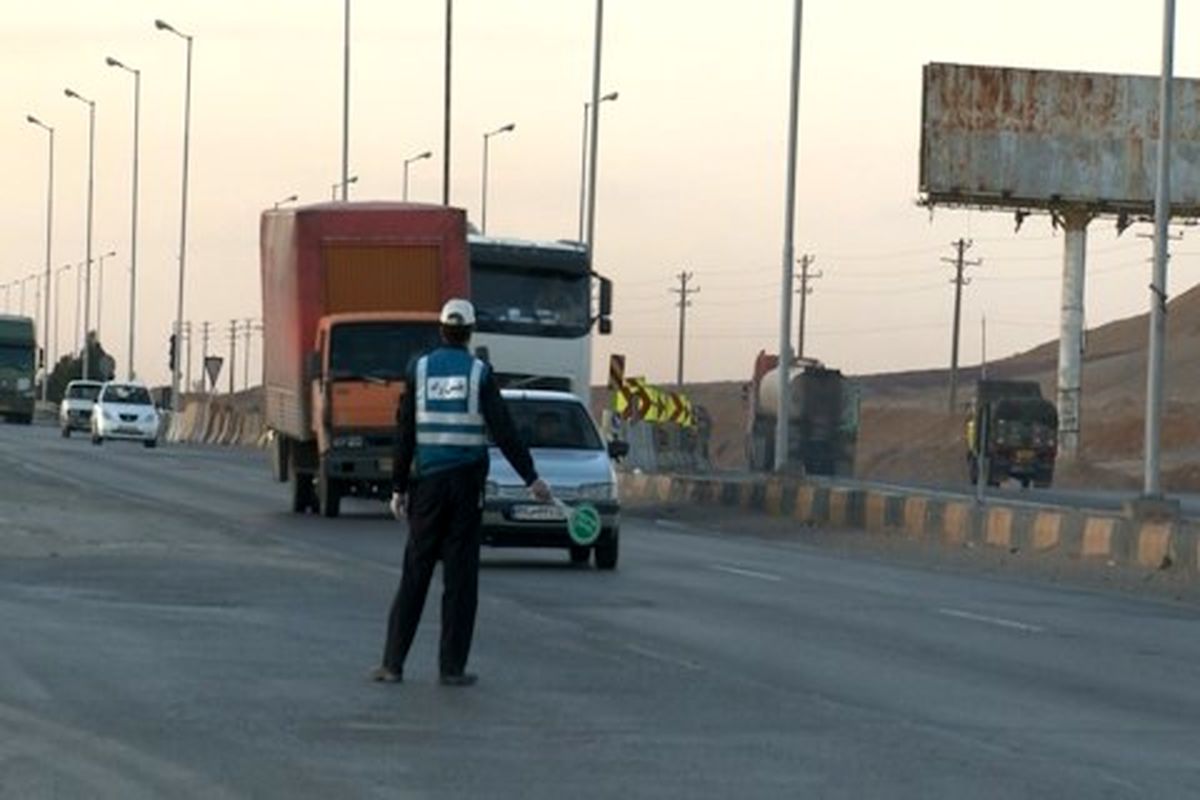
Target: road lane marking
747, 573
997, 621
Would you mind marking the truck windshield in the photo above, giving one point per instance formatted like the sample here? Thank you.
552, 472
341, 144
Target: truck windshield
16, 357
531, 302
380, 350
556, 424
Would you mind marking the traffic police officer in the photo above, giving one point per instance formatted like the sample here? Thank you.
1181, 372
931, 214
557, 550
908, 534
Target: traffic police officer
440, 468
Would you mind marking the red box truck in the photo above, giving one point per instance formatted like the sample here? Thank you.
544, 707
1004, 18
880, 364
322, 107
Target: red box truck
351, 292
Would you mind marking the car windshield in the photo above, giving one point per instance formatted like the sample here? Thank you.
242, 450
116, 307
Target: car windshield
382, 350
556, 424
83, 392
19, 357
126, 395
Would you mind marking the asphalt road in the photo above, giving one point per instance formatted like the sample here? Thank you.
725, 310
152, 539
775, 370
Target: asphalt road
167, 629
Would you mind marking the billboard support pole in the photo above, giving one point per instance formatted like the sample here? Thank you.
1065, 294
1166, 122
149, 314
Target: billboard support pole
1070, 339
783, 417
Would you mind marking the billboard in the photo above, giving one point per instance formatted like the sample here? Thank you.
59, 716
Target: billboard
1035, 139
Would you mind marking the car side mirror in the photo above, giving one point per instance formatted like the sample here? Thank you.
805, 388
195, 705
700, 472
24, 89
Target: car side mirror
483, 354
618, 449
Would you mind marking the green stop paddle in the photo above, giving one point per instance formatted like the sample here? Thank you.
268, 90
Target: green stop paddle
583, 522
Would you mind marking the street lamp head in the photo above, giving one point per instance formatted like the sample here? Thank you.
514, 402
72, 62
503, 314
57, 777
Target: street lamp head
32, 119
112, 62
163, 26
509, 127
426, 154
71, 93
352, 179
609, 96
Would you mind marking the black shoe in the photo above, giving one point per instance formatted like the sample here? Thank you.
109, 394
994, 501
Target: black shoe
458, 679
387, 675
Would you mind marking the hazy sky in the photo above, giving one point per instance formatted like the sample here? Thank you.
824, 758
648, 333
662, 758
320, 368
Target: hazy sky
691, 156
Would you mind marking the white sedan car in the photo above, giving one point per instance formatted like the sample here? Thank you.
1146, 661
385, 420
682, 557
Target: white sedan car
125, 411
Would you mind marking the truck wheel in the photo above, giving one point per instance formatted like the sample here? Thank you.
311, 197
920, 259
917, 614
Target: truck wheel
607, 552
303, 496
329, 496
580, 555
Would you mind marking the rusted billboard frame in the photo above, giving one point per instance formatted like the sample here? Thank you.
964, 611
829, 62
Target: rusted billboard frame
1015, 103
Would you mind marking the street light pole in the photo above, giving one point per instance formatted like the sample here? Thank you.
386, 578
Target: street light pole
91, 104
57, 296
595, 133
446, 108
583, 161
789, 223
1152, 487
344, 186
49, 231
345, 107
133, 237
187, 115
100, 289
407, 161
486, 137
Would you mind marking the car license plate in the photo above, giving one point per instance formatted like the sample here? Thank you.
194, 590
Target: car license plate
385, 465
537, 513
128, 430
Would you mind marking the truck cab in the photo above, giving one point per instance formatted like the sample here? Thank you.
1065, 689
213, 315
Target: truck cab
357, 378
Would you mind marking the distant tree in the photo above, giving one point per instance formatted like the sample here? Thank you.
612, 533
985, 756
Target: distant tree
102, 367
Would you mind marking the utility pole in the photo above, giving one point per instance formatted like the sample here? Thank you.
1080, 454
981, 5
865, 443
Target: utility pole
246, 356
683, 291
233, 334
187, 336
204, 328
960, 263
804, 291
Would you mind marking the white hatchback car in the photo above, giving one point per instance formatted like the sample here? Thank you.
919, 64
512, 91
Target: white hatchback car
125, 411
75, 413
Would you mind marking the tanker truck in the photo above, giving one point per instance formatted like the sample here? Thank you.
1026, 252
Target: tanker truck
823, 427
351, 293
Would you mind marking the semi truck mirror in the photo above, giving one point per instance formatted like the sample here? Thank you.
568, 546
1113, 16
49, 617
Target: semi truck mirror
605, 326
605, 298
618, 448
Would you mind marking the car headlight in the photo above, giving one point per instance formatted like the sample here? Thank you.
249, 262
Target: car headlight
596, 491
348, 442
150, 417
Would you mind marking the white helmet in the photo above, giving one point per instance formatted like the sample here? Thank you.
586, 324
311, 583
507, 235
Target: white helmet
458, 313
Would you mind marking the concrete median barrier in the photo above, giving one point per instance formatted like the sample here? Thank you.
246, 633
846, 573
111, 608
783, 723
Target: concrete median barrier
1088, 536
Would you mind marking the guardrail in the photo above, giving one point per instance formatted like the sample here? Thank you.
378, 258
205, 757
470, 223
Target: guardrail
1084, 534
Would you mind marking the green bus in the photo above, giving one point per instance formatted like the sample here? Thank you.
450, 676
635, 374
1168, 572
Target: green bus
18, 368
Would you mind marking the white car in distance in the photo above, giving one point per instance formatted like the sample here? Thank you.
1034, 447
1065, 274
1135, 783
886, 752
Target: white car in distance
125, 411
75, 412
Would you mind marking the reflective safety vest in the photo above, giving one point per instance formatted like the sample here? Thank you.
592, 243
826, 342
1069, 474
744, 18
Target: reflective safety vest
450, 426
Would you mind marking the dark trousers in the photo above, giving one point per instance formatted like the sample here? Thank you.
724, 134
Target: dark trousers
444, 512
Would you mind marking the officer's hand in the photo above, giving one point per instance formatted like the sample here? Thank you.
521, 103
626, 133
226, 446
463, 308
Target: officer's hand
397, 505
541, 491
